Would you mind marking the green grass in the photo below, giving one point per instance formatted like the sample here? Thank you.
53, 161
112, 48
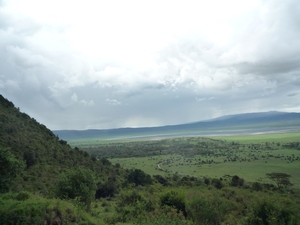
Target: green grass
250, 171
252, 164
259, 138
245, 138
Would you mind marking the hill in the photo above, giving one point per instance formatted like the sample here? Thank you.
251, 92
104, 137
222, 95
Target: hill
45, 155
232, 124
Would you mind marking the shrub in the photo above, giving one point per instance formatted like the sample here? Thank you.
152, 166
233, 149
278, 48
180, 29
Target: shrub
23, 195
235, 181
161, 179
37, 210
269, 211
10, 166
108, 189
256, 186
217, 183
166, 215
133, 206
208, 211
77, 183
139, 177
19, 208
175, 199
206, 181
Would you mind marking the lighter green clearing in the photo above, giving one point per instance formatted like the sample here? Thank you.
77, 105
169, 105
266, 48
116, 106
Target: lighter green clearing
264, 137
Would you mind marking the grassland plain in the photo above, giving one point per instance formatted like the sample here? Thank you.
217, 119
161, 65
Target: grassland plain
250, 171
290, 136
248, 163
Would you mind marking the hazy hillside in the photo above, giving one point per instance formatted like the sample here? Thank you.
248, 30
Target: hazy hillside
44, 154
232, 124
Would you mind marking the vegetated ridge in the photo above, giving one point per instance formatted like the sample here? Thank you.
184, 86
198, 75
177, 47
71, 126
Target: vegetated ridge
233, 124
44, 154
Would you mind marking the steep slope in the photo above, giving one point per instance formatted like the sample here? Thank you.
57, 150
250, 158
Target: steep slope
44, 154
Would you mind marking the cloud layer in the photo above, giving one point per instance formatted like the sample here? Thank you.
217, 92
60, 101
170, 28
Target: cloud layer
130, 63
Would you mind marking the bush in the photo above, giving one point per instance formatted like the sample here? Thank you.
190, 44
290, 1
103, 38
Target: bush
269, 211
108, 189
133, 206
10, 166
205, 211
166, 215
206, 181
161, 179
217, 183
16, 213
77, 183
175, 199
37, 210
235, 181
256, 186
23, 195
139, 177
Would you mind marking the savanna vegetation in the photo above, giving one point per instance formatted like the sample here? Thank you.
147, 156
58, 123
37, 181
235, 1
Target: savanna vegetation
200, 157
43, 180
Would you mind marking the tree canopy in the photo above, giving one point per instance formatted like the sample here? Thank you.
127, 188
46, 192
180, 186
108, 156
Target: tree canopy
10, 166
77, 183
281, 179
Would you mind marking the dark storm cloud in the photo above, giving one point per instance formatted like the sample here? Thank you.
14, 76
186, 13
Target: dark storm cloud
72, 73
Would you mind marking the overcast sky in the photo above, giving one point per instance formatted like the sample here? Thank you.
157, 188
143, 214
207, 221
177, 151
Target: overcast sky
109, 64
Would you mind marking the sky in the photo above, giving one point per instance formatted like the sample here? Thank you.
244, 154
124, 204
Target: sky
97, 64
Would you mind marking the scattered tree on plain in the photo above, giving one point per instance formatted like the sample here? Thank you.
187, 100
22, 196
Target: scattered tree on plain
281, 179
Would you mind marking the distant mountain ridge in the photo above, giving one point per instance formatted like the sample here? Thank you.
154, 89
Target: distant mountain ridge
232, 124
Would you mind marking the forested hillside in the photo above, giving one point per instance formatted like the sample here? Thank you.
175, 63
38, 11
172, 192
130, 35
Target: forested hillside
45, 156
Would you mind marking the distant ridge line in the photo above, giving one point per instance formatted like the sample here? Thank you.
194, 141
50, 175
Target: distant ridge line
245, 123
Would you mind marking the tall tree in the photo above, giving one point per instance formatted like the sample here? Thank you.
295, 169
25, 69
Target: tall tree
281, 179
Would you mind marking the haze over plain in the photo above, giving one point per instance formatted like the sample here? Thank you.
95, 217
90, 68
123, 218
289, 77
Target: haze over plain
99, 64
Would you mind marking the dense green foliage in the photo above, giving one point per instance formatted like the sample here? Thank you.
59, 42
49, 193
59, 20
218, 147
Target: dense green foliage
139, 177
270, 211
9, 168
208, 211
45, 156
174, 199
77, 183
26, 208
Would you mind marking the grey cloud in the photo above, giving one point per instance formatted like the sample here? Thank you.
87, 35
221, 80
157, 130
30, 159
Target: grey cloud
191, 79
25, 58
268, 68
87, 103
201, 99
292, 94
112, 101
